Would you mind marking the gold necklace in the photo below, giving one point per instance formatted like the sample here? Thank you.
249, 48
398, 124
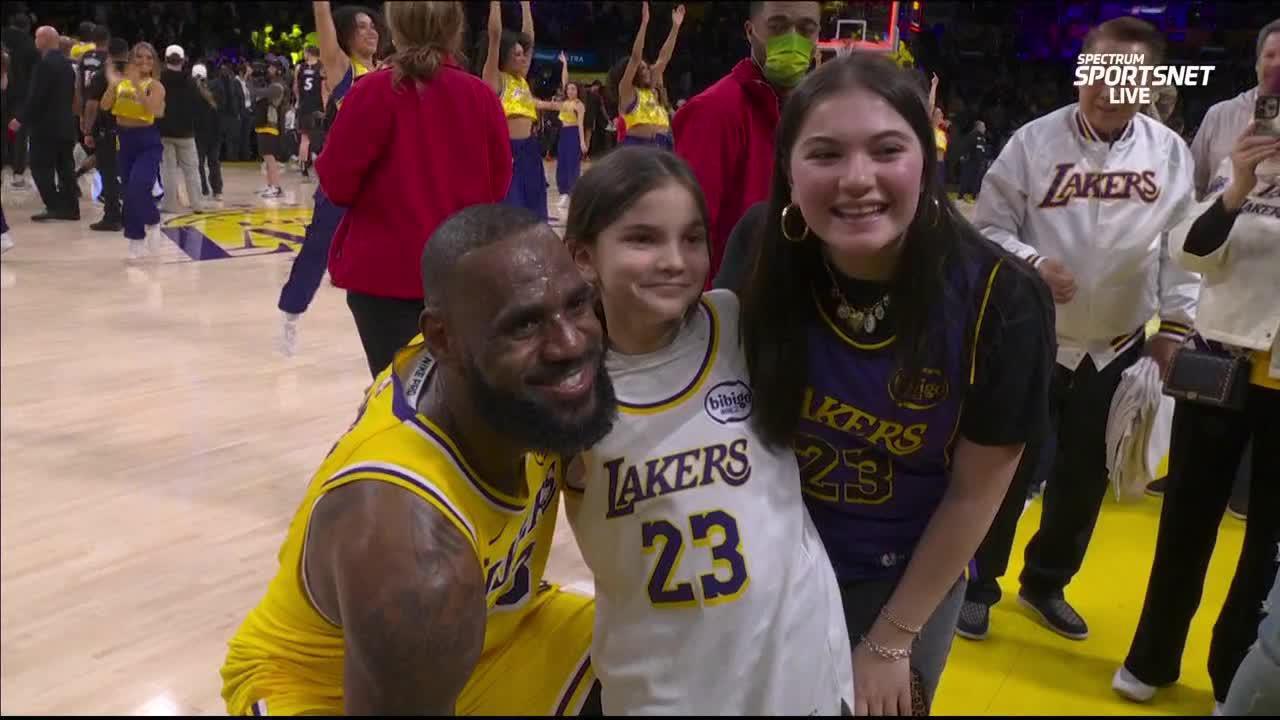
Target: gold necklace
860, 320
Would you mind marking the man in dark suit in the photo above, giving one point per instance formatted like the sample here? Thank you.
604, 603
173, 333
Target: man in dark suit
22, 61
49, 117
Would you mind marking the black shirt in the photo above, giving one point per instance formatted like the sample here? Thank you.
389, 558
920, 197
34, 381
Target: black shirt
1008, 403
48, 112
91, 64
93, 91
309, 80
181, 103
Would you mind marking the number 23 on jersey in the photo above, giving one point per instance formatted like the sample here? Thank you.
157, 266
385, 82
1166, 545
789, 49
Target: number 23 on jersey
716, 531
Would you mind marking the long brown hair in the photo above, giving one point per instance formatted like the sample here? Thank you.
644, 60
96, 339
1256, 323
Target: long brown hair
777, 303
425, 35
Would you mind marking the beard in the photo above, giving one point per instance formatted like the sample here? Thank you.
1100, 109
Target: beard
538, 425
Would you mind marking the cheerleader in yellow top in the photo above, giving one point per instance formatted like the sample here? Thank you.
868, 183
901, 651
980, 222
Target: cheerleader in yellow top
136, 100
506, 69
639, 86
572, 146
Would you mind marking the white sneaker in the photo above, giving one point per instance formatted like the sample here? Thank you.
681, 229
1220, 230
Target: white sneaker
137, 250
6, 243
1131, 687
288, 340
155, 239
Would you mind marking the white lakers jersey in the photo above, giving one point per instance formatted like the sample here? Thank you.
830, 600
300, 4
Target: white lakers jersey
714, 594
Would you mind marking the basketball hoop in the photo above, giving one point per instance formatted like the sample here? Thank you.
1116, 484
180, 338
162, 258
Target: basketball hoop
853, 34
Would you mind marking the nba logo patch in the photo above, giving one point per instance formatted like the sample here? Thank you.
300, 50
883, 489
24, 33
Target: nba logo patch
729, 402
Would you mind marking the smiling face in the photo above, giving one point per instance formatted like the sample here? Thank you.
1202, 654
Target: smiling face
529, 345
651, 263
365, 36
856, 170
517, 60
144, 60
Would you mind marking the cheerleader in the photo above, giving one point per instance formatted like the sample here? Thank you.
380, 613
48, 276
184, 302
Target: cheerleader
506, 69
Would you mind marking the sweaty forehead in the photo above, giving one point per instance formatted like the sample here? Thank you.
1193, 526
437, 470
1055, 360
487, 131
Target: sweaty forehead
525, 269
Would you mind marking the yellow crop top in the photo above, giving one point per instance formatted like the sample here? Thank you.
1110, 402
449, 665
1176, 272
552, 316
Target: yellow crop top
568, 113
517, 99
128, 102
646, 110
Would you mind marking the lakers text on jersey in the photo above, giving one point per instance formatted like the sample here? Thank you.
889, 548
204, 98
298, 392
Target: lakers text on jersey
287, 656
714, 594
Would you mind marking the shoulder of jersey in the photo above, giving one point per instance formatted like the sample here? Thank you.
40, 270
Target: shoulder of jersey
724, 301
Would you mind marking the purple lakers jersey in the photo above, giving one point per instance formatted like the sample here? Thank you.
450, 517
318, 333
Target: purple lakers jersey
874, 445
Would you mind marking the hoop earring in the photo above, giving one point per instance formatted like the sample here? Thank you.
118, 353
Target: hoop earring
786, 211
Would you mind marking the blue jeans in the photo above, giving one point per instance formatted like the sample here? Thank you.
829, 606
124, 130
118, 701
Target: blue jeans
1255, 690
863, 602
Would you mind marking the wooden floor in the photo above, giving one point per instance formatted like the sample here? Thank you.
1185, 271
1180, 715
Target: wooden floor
154, 443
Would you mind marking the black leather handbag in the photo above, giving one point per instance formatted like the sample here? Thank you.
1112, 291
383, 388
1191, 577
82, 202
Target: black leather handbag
1209, 375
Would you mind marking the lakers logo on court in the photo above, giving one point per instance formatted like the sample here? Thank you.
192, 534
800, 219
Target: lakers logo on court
239, 232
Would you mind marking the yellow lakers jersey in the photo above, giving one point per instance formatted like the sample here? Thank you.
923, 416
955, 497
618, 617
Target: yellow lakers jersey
646, 110
288, 648
517, 98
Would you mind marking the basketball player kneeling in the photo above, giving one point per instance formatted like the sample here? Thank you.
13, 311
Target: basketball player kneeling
410, 580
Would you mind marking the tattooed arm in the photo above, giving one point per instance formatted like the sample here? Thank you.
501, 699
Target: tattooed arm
405, 585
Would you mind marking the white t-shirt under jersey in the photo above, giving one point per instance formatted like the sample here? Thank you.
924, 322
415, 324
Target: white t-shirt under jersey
714, 594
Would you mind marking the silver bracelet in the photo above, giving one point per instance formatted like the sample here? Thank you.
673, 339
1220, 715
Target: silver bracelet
884, 613
890, 654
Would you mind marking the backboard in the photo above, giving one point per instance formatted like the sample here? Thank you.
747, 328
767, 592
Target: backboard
864, 27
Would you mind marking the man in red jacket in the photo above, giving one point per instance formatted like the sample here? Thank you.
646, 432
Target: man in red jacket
726, 132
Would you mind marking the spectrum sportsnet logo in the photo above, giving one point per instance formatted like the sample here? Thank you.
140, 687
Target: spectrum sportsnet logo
1129, 80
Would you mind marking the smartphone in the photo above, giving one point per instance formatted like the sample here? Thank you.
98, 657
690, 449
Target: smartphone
1266, 118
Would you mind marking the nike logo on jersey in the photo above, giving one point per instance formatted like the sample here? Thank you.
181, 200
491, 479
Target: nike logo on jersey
673, 473
1069, 184
510, 576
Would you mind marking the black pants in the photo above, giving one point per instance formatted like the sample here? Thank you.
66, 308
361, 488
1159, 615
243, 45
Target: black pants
209, 150
1205, 441
53, 168
385, 325
230, 130
991, 559
1080, 401
1072, 460
105, 151
971, 173
247, 148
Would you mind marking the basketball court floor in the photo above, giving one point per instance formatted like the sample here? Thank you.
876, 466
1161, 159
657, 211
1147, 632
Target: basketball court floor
154, 444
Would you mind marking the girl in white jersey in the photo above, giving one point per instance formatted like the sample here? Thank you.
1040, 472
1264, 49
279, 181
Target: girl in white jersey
714, 594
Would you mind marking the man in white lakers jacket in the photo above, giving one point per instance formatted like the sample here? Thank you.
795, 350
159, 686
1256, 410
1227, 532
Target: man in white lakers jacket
1086, 194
